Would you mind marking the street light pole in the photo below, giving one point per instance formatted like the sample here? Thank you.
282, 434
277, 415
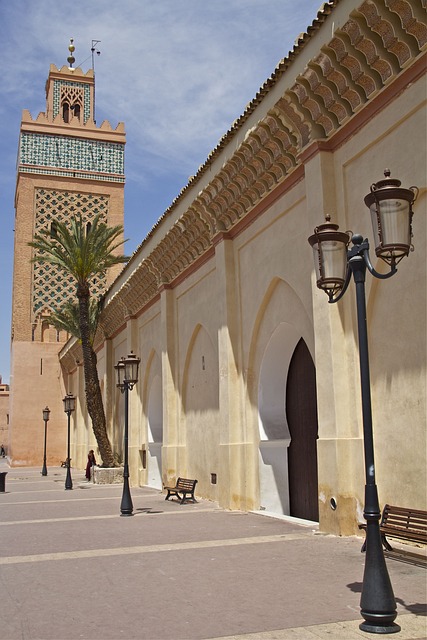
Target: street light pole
127, 377
126, 507
46, 414
378, 605
391, 212
69, 406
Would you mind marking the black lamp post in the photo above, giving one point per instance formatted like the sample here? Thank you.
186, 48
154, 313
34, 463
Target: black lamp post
46, 414
127, 377
69, 406
335, 262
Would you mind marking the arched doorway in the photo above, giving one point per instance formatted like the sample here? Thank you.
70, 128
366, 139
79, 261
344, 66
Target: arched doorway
301, 413
288, 427
273, 427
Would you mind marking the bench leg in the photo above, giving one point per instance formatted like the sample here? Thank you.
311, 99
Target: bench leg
186, 496
386, 543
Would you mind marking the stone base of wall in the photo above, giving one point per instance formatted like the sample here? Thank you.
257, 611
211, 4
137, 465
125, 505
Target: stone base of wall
108, 475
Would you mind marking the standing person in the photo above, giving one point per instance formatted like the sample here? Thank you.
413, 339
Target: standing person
2, 451
91, 462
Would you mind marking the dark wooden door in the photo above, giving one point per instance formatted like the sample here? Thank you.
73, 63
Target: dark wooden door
301, 413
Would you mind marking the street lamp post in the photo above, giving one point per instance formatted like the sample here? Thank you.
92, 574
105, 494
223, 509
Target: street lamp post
69, 406
127, 377
391, 212
46, 414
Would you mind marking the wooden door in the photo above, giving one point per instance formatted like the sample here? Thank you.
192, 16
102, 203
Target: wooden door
301, 413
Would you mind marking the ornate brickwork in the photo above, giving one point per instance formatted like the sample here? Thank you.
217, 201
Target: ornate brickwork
50, 288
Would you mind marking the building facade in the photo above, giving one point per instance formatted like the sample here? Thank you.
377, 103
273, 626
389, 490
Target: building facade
249, 380
67, 166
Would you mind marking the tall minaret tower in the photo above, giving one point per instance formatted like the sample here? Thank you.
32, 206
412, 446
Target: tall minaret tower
66, 166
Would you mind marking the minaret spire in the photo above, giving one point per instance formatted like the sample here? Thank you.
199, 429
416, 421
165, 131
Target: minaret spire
71, 59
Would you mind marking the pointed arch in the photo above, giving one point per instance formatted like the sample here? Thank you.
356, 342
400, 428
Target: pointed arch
281, 322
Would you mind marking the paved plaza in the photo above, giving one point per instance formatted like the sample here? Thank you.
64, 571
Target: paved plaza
71, 568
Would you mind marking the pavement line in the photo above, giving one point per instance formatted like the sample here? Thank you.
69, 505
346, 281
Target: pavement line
84, 486
67, 500
155, 548
64, 500
92, 517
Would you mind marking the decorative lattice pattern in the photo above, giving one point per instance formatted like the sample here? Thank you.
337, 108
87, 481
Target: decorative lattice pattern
51, 287
74, 92
71, 153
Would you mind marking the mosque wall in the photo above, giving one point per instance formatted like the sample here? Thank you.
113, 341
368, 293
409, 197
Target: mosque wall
249, 379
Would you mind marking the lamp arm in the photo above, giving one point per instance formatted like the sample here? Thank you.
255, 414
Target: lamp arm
333, 299
373, 271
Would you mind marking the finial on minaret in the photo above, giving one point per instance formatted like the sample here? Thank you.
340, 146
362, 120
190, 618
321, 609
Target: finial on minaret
71, 59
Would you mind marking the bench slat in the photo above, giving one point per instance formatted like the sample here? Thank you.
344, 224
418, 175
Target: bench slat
403, 524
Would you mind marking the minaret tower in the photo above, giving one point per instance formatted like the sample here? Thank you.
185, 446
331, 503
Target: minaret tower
66, 166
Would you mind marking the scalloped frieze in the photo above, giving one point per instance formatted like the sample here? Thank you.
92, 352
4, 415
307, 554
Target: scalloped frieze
411, 25
141, 287
338, 78
185, 242
386, 32
369, 49
319, 87
294, 120
352, 64
313, 106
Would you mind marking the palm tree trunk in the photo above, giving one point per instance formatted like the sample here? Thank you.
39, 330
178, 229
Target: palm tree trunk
94, 402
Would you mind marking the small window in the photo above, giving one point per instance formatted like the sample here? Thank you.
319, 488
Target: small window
76, 110
66, 112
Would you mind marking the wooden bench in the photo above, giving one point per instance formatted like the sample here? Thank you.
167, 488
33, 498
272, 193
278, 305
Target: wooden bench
403, 524
183, 488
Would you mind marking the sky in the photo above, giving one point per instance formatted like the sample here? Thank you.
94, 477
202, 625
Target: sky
176, 72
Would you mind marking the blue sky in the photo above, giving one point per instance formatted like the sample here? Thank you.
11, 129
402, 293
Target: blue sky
176, 72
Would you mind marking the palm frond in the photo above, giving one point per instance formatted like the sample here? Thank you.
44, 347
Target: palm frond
80, 251
67, 318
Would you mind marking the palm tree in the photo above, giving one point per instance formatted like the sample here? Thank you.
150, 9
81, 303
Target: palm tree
84, 251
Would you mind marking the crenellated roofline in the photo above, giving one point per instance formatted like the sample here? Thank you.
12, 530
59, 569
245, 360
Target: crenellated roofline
72, 128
